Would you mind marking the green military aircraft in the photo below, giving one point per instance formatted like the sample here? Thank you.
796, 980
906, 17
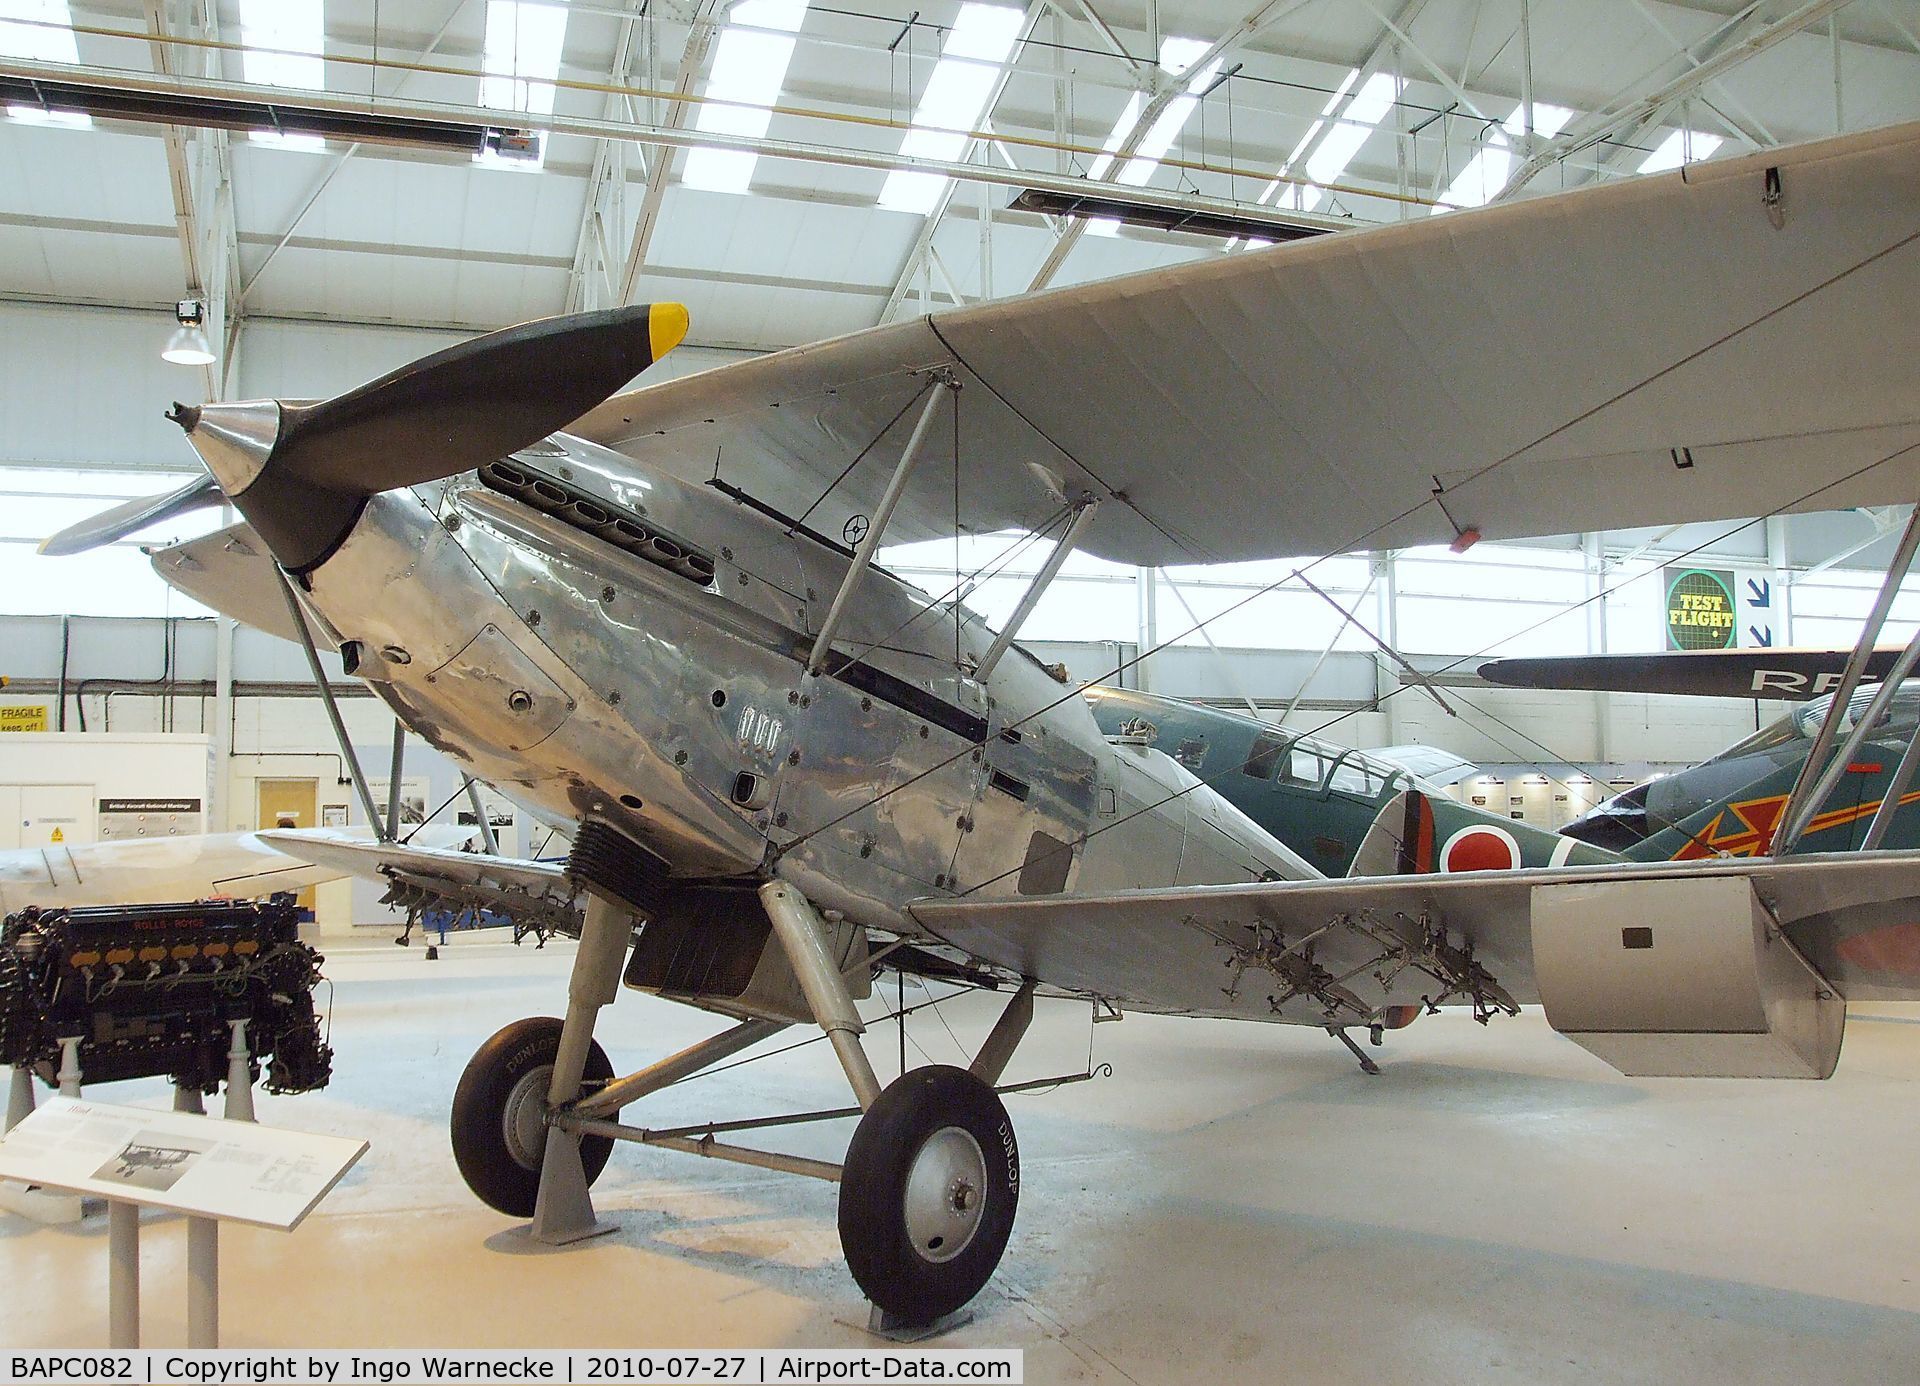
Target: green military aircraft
1333, 805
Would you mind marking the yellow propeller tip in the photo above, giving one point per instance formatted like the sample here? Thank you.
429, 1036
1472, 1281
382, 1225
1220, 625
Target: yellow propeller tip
666, 327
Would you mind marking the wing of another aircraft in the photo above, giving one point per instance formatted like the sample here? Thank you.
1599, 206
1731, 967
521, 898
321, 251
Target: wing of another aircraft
1179, 949
1671, 348
156, 870
1787, 673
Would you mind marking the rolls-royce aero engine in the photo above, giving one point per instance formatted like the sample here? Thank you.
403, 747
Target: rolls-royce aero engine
149, 991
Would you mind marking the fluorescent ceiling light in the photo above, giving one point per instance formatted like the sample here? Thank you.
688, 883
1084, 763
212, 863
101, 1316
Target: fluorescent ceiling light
45, 36
749, 68
1681, 147
1486, 173
1177, 55
520, 62
295, 29
953, 102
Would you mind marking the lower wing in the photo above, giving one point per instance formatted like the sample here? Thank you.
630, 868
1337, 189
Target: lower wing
1680, 951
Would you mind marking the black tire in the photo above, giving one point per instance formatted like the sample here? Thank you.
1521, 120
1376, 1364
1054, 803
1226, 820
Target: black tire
916, 1277
503, 1172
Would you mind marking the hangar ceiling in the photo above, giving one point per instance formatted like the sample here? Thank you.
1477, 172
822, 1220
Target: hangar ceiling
792, 170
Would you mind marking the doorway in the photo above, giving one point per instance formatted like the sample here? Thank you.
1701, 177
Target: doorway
289, 804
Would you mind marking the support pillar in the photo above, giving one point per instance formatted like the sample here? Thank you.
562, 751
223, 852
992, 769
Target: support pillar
19, 1096
203, 1283
69, 1074
123, 1274
239, 1075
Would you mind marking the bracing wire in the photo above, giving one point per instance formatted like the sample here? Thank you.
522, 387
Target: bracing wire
1274, 586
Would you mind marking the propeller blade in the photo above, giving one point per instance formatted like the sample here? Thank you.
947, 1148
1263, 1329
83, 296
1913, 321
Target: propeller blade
299, 472
130, 517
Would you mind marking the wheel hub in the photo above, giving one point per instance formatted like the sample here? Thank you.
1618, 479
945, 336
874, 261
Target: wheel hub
945, 1194
523, 1119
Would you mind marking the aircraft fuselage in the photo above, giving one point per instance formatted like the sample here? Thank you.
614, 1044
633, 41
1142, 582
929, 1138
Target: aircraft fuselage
615, 643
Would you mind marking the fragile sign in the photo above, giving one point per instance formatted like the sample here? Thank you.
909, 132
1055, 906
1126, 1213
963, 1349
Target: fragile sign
23, 717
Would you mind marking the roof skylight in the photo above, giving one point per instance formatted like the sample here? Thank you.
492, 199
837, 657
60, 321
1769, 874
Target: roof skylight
1681, 147
521, 59
749, 68
1350, 130
954, 100
295, 31
46, 36
1177, 55
1487, 171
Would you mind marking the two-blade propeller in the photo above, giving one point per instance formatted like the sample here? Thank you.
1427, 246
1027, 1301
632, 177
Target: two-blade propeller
301, 472
110, 526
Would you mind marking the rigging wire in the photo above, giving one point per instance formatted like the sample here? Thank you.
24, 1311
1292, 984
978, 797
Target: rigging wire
1446, 668
1141, 655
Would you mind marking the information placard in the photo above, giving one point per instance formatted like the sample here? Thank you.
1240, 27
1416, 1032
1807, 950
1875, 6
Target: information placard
189, 1163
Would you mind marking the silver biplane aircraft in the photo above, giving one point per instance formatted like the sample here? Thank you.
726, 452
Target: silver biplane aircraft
790, 771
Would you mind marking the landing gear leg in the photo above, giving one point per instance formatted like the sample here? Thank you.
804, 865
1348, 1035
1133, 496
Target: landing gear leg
1367, 1066
804, 937
563, 1210
932, 1175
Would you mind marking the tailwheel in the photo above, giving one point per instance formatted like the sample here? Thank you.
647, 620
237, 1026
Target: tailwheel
499, 1114
928, 1193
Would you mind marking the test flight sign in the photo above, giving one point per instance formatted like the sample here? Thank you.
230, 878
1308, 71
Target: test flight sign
1701, 611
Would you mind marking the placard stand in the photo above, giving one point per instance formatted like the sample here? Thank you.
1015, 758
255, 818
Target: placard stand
210, 1169
37, 1205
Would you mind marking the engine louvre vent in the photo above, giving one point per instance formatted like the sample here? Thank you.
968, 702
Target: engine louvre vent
602, 519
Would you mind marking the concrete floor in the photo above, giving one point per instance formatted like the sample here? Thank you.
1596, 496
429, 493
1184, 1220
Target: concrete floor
1235, 1201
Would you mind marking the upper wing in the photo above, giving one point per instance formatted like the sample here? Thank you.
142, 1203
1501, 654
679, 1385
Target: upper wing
536, 894
1650, 350
1182, 949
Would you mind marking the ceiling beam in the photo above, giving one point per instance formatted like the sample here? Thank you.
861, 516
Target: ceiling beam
1170, 86
1737, 28
603, 215
200, 180
1369, 65
1586, 133
923, 243
693, 58
1625, 143
108, 79
326, 179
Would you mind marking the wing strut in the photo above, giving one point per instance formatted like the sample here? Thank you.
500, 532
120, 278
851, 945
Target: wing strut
1083, 510
487, 839
382, 829
1818, 774
870, 541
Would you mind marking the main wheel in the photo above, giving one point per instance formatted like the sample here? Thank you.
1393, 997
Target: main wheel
499, 1114
928, 1192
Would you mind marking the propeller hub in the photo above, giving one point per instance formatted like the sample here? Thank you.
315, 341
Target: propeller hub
234, 440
